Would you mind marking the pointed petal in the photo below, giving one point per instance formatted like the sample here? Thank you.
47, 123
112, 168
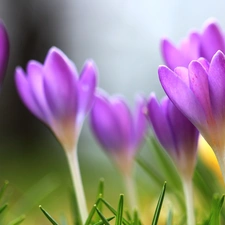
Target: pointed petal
160, 125
212, 40
60, 83
182, 96
104, 125
86, 85
139, 121
25, 92
124, 122
217, 84
4, 51
199, 85
36, 81
171, 55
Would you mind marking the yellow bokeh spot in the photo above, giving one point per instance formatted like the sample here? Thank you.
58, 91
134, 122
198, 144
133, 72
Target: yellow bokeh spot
207, 155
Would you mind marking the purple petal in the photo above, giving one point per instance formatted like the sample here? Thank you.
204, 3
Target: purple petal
212, 40
104, 125
199, 84
171, 55
140, 123
4, 51
184, 132
60, 83
160, 124
182, 96
217, 84
86, 85
182, 73
36, 81
25, 92
124, 122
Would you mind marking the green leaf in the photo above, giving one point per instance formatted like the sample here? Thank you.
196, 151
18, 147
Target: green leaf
48, 216
3, 188
17, 221
92, 212
101, 222
159, 205
136, 218
104, 220
119, 217
2, 208
113, 211
216, 209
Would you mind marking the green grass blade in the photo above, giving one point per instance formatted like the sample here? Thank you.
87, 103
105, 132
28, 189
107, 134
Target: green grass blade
104, 220
215, 215
17, 221
119, 217
159, 205
2, 208
48, 216
136, 218
169, 218
92, 212
101, 223
3, 188
113, 211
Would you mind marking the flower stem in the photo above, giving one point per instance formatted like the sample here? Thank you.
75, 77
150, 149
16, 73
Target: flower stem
188, 192
77, 183
220, 155
130, 189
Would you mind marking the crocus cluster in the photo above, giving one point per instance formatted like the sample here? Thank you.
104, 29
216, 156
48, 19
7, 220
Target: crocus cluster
196, 45
4, 51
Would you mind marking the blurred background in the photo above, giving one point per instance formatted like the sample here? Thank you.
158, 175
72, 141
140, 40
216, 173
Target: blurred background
122, 37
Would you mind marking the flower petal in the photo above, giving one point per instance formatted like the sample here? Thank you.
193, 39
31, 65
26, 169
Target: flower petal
217, 84
60, 84
86, 86
25, 92
104, 125
182, 96
212, 40
160, 125
199, 84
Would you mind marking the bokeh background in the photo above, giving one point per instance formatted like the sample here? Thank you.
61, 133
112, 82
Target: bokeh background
123, 38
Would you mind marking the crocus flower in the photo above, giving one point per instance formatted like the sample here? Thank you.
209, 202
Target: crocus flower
197, 44
175, 132
4, 51
199, 92
55, 94
119, 132
179, 138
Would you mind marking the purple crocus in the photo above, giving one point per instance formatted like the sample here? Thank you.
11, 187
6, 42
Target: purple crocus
199, 92
4, 51
179, 138
119, 132
175, 132
55, 94
197, 44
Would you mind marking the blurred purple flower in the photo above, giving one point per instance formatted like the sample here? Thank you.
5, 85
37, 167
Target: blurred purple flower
196, 45
176, 134
4, 51
199, 92
119, 132
55, 94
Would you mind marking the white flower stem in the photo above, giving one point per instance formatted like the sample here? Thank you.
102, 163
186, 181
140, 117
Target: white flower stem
77, 183
131, 192
188, 192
